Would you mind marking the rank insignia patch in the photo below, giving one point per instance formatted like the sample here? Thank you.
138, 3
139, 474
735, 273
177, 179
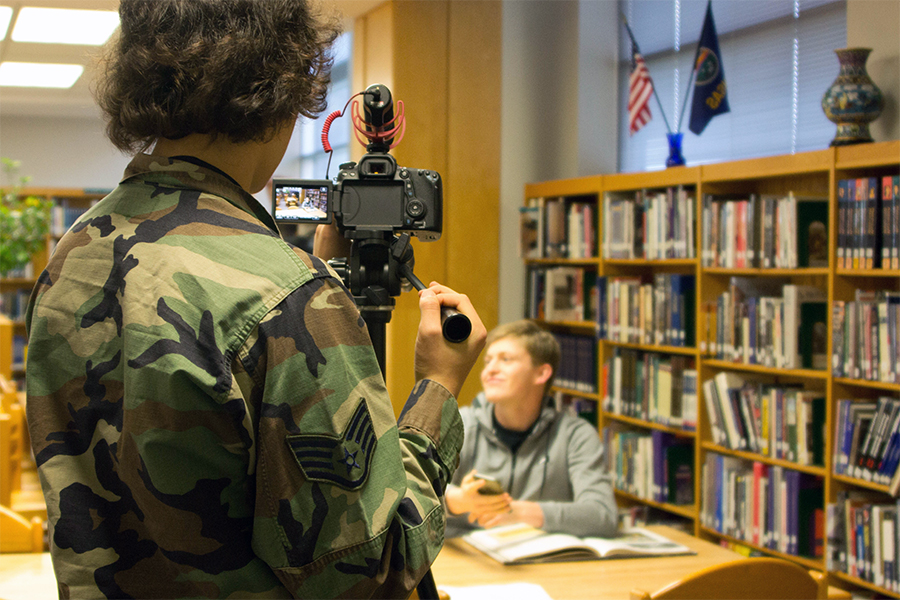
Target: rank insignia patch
342, 461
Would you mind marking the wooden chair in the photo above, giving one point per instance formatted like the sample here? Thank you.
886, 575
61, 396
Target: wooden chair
12, 442
745, 579
17, 534
6, 344
9, 393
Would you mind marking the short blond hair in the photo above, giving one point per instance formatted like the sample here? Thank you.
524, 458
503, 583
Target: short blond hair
540, 344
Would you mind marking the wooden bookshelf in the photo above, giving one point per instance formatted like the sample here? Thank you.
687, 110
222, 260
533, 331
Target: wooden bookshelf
810, 175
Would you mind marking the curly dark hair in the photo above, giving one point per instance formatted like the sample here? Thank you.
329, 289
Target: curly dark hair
238, 68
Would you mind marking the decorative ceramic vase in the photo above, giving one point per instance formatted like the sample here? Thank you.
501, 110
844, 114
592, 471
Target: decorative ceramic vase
853, 100
675, 158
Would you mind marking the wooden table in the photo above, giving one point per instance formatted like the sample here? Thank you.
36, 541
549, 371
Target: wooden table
30, 576
27, 577
459, 565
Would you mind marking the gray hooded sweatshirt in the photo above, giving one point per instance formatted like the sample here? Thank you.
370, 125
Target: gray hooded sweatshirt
559, 465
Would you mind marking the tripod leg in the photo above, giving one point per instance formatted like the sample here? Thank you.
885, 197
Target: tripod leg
376, 321
377, 332
427, 589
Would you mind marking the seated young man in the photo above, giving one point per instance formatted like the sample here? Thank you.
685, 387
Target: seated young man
550, 464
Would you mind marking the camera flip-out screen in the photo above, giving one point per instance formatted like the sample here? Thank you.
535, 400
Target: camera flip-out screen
302, 201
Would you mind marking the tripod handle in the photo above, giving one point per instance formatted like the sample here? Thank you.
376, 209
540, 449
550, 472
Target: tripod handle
455, 325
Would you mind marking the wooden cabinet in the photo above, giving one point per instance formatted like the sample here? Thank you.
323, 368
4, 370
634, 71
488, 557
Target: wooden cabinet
801, 383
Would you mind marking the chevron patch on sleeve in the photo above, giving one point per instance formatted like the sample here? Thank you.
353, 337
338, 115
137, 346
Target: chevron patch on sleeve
343, 461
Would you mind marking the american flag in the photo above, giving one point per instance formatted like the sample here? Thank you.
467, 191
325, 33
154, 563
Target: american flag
640, 88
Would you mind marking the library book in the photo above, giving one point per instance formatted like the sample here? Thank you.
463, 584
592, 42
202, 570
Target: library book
522, 544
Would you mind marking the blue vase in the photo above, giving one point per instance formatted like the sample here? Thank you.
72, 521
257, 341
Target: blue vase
853, 100
675, 158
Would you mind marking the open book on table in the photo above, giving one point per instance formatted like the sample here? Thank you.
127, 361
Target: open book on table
520, 544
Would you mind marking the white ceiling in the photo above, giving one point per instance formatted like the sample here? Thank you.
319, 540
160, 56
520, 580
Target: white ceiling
77, 101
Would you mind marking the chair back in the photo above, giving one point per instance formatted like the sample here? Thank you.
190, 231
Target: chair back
18, 534
9, 393
6, 344
744, 579
12, 448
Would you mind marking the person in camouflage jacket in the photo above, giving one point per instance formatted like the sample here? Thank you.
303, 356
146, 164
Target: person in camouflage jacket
206, 409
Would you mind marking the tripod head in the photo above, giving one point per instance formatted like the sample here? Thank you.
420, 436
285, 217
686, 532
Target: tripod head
379, 267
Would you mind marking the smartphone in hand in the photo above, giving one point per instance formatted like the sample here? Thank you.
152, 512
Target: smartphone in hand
492, 487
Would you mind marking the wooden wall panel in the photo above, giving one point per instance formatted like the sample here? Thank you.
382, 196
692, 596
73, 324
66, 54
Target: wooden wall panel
445, 67
472, 193
420, 81
373, 48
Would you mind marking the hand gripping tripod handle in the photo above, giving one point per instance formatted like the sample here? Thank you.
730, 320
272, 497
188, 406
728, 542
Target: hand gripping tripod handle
456, 328
455, 325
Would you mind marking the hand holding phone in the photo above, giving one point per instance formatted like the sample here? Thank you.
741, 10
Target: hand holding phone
478, 500
491, 487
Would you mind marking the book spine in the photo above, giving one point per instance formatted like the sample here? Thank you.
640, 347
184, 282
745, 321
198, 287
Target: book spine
873, 225
859, 238
886, 201
843, 433
843, 210
765, 424
895, 234
837, 347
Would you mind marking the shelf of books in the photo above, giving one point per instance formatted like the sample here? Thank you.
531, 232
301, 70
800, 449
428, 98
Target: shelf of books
865, 401
16, 286
741, 323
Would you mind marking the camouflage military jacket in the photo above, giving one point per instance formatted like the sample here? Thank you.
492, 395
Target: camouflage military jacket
208, 415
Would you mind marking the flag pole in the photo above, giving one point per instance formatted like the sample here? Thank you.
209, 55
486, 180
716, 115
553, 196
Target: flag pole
655, 95
687, 92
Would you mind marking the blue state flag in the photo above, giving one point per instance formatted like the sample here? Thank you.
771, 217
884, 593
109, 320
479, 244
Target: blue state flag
710, 90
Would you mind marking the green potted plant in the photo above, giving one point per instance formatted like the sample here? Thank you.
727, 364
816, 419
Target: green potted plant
24, 220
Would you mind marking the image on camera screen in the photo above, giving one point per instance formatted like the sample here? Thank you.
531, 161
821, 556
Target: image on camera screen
301, 203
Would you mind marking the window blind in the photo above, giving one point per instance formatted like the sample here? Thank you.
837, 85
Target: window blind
778, 57
305, 157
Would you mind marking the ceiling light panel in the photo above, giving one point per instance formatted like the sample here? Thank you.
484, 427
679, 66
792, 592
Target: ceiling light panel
42, 75
5, 16
64, 26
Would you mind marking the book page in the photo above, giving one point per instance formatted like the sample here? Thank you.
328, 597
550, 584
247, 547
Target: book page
636, 542
547, 546
519, 541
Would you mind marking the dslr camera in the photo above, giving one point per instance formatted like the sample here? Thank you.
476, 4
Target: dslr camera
373, 195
